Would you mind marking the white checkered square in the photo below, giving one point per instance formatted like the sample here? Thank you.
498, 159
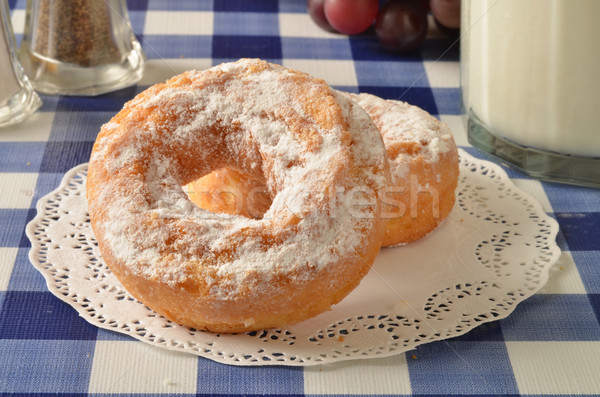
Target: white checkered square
160, 70
378, 376
457, 126
564, 277
179, 23
35, 128
134, 367
16, 189
340, 73
442, 74
300, 25
556, 367
18, 21
7, 261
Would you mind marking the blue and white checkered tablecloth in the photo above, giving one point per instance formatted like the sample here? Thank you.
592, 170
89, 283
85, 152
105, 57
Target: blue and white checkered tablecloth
550, 345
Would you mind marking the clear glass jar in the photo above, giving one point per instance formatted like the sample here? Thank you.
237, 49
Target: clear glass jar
530, 85
80, 47
17, 98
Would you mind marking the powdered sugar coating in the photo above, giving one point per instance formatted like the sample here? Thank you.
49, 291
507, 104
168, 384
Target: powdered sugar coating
401, 123
236, 114
423, 161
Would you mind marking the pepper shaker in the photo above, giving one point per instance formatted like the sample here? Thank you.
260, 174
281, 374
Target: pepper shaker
80, 47
17, 98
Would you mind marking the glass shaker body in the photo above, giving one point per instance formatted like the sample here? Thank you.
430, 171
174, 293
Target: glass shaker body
80, 47
530, 85
17, 98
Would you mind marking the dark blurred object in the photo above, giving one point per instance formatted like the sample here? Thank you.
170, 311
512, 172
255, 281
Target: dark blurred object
446, 13
317, 13
401, 25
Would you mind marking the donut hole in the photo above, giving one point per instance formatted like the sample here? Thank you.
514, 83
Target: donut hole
230, 191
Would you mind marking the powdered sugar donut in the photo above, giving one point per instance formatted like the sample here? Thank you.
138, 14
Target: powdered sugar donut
424, 167
312, 146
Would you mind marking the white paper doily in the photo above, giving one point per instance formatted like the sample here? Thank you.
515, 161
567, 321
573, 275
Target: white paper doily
494, 250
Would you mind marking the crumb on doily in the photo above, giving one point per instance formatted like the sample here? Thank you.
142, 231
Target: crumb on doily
168, 382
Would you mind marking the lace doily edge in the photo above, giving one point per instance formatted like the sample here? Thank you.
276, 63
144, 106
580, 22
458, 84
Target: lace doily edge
67, 178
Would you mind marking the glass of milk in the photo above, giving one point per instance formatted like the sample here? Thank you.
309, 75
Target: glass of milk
530, 80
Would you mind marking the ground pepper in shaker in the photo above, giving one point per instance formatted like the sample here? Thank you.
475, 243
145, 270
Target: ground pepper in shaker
17, 98
80, 47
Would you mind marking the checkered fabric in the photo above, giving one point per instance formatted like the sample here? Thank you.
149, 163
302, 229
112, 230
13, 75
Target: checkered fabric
550, 345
